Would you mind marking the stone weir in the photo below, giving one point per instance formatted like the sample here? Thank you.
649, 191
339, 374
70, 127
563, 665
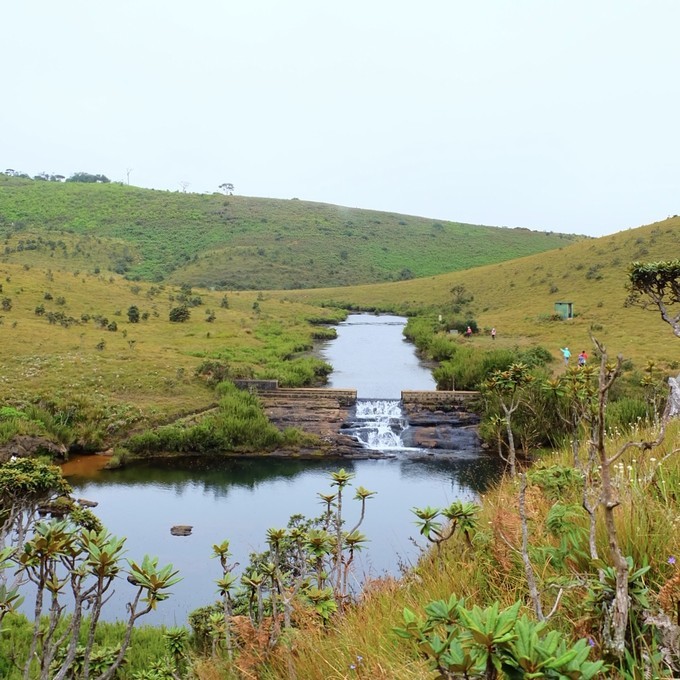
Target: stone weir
320, 411
435, 419
440, 420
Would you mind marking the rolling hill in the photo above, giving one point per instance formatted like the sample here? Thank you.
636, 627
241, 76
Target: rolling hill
56, 293
237, 242
518, 297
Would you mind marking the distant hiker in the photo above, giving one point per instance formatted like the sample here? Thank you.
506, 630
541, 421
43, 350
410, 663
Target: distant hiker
566, 354
493, 333
468, 332
582, 358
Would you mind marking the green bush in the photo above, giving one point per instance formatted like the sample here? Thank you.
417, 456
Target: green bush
9, 412
241, 425
302, 372
179, 314
625, 412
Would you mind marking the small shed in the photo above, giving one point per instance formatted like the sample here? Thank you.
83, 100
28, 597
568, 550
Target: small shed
565, 309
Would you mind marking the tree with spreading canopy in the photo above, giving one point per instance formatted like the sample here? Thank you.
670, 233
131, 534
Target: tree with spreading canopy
656, 284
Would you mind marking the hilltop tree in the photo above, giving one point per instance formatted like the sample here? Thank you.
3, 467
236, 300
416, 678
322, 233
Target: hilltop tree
227, 187
656, 284
88, 178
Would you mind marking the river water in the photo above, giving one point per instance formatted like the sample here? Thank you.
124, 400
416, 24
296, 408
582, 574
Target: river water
239, 500
372, 356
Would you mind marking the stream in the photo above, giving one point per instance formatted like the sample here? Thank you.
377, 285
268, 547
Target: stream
239, 499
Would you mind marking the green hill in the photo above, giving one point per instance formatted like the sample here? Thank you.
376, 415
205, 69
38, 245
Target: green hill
237, 242
518, 297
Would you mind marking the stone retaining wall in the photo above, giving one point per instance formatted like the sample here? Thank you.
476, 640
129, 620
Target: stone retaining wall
440, 397
341, 396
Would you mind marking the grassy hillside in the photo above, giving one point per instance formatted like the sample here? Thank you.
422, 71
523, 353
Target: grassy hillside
518, 297
51, 323
58, 347
237, 242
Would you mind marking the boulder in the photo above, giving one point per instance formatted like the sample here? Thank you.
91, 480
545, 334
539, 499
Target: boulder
83, 502
181, 530
28, 446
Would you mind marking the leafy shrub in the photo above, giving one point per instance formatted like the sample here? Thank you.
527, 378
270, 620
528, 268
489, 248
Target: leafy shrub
441, 347
241, 425
9, 412
624, 412
133, 314
213, 372
301, 372
180, 314
555, 480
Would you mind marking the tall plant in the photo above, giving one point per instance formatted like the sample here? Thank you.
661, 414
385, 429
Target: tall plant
508, 386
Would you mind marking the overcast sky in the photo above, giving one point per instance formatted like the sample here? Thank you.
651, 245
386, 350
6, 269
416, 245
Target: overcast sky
549, 114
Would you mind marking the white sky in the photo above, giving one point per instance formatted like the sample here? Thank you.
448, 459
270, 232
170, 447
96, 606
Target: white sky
549, 114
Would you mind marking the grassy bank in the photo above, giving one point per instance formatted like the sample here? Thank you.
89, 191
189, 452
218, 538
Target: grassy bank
71, 350
518, 298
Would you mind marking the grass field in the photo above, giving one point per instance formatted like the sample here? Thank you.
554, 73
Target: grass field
143, 370
237, 242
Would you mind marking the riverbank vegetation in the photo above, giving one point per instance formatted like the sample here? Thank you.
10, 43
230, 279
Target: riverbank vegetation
532, 566
237, 425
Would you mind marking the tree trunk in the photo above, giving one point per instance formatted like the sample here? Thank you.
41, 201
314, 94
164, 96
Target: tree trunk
511, 441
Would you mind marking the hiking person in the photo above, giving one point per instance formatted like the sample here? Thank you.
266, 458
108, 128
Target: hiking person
566, 354
582, 358
493, 333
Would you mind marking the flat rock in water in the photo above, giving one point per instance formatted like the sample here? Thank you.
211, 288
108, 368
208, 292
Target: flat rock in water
181, 530
83, 502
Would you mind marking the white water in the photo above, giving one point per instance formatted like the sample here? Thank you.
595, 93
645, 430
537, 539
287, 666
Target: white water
372, 356
379, 424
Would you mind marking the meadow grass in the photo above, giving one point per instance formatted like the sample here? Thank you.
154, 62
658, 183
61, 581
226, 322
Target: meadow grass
238, 242
143, 373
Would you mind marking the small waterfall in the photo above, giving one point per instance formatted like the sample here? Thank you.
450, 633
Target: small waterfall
379, 423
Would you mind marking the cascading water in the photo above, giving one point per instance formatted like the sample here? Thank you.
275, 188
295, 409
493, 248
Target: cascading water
378, 424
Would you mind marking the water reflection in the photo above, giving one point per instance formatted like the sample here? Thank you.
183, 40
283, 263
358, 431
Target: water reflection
240, 499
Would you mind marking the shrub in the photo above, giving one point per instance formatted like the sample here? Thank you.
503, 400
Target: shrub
625, 412
133, 314
180, 314
213, 372
241, 425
